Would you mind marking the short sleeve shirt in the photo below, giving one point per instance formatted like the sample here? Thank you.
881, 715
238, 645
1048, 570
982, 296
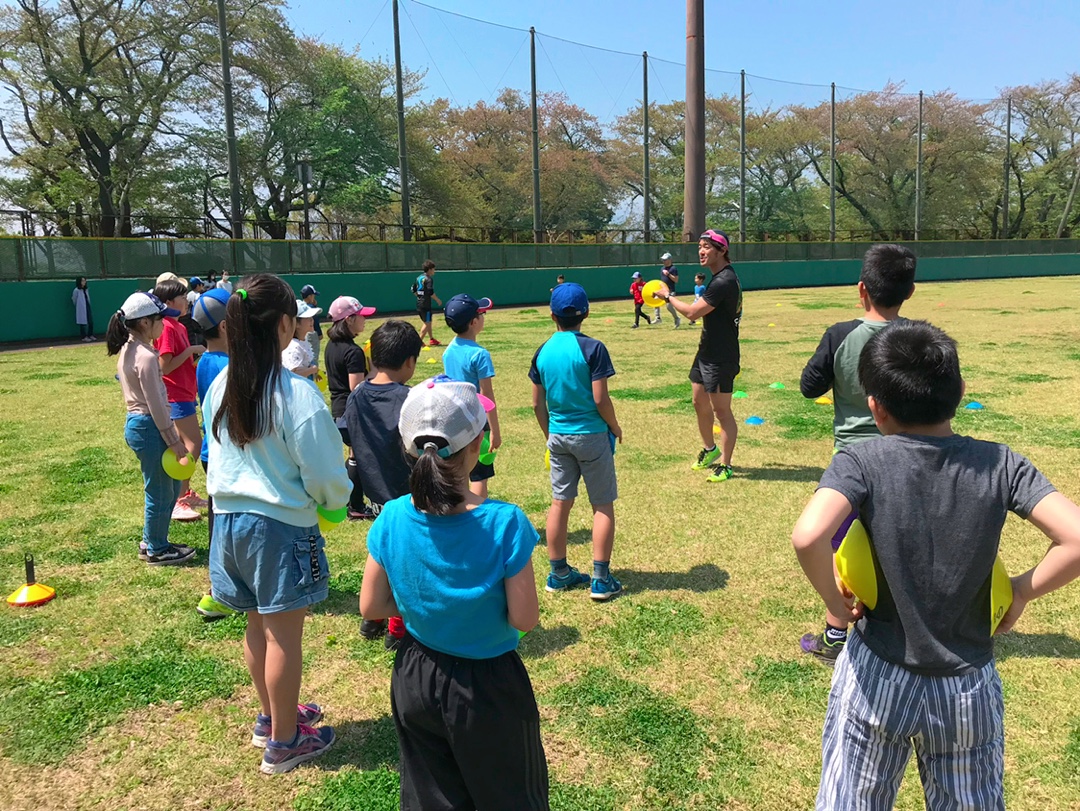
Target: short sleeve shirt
371, 415
180, 382
425, 289
468, 361
449, 579
670, 277
934, 508
297, 355
342, 359
566, 366
211, 364
720, 328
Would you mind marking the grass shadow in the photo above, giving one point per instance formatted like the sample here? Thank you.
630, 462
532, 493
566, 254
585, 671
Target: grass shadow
701, 578
575, 538
782, 473
541, 641
1017, 645
368, 744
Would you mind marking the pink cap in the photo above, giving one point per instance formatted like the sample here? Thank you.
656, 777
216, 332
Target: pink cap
347, 306
717, 238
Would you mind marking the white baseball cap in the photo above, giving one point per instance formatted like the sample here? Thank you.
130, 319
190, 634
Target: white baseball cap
142, 305
305, 310
448, 414
664, 256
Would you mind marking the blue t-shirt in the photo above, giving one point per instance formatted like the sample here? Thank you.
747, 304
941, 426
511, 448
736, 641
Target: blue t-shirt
447, 572
210, 365
699, 291
566, 366
468, 361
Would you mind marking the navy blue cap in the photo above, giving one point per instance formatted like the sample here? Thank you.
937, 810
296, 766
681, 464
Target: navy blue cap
569, 298
462, 309
308, 290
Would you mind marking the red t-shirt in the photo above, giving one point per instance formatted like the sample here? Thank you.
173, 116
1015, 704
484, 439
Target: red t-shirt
635, 289
180, 383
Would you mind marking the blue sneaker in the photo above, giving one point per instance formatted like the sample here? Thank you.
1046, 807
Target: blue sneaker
309, 744
569, 580
307, 714
605, 589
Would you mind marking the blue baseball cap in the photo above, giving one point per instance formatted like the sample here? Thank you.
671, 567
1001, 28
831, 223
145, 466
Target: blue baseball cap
569, 298
209, 309
462, 309
308, 290
195, 281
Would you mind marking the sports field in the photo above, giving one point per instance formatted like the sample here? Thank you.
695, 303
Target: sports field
687, 692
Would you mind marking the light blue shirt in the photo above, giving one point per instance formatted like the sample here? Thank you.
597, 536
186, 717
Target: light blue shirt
285, 474
467, 361
448, 572
566, 366
210, 365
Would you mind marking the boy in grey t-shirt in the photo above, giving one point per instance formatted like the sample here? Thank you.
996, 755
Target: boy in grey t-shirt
918, 672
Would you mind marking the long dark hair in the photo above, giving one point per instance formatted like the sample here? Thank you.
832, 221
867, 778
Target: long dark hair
80, 282
253, 314
340, 331
435, 483
118, 331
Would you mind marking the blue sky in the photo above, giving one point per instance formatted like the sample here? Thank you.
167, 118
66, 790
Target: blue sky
973, 47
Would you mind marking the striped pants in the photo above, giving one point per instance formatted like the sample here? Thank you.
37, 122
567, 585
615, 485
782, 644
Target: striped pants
878, 712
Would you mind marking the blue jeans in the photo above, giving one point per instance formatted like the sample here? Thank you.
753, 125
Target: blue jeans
143, 437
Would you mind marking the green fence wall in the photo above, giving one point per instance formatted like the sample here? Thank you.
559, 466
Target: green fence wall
33, 310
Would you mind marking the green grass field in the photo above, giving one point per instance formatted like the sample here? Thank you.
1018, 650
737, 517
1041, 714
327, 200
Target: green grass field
687, 692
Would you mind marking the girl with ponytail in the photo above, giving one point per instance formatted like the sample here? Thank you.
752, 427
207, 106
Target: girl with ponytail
149, 430
275, 458
457, 568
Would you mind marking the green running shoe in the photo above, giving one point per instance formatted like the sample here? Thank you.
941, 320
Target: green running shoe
706, 458
211, 609
721, 473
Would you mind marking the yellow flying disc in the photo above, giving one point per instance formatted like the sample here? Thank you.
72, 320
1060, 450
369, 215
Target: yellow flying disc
855, 563
176, 469
322, 383
1001, 595
649, 291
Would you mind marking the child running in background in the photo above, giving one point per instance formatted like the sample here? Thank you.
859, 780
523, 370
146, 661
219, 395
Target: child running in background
371, 418
149, 430
569, 374
209, 313
275, 458
458, 570
886, 282
699, 291
310, 295
346, 368
636, 285
176, 355
464, 359
297, 356
918, 671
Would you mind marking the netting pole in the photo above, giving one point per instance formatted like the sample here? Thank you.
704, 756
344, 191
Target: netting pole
832, 165
403, 158
1008, 161
235, 216
918, 175
694, 167
537, 228
646, 190
742, 156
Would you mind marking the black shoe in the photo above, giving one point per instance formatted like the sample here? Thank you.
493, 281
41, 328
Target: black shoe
372, 629
366, 515
173, 556
392, 642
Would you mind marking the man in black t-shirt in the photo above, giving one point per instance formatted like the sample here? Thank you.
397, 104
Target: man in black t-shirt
712, 375
425, 292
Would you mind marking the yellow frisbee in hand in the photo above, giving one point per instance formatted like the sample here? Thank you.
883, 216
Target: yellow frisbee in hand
1001, 595
322, 383
176, 469
649, 291
855, 563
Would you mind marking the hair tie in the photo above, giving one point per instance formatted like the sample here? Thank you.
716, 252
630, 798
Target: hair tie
430, 446
242, 293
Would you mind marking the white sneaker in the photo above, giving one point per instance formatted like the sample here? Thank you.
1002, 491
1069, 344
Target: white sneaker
182, 512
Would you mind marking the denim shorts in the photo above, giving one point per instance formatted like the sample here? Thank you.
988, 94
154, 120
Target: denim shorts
583, 456
180, 410
259, 564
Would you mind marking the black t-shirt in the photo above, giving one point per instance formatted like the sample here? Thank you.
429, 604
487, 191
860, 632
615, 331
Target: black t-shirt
425, 289
669, 276
371, 414
342, 359
720, 328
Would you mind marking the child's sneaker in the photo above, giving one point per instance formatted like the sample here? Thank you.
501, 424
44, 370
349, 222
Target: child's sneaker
193, 500
372, 629
309, 744
817, 645
570, 580
605, 589
174, 555
143, 554
706, 458
721, 473
182, 512
210, 609
308, 714
433, 342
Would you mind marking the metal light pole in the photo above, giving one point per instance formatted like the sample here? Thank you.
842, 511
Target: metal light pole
742, 156
403, 158
538, 231
694, 172
647, 190
235, 214
918, 176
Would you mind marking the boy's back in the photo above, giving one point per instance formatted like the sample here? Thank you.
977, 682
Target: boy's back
934, 508
566, 366
835, 365
466, 360
371, 414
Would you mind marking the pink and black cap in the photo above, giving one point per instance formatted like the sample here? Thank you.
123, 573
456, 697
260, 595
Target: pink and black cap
717, 238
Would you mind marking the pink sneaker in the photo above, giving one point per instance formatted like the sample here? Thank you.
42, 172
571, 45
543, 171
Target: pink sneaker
192, 499
182, 512
310, 743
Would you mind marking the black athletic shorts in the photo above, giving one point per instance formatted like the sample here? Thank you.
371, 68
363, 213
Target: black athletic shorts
715, 377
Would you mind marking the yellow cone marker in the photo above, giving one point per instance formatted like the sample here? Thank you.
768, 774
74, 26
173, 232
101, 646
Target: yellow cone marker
824, 400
